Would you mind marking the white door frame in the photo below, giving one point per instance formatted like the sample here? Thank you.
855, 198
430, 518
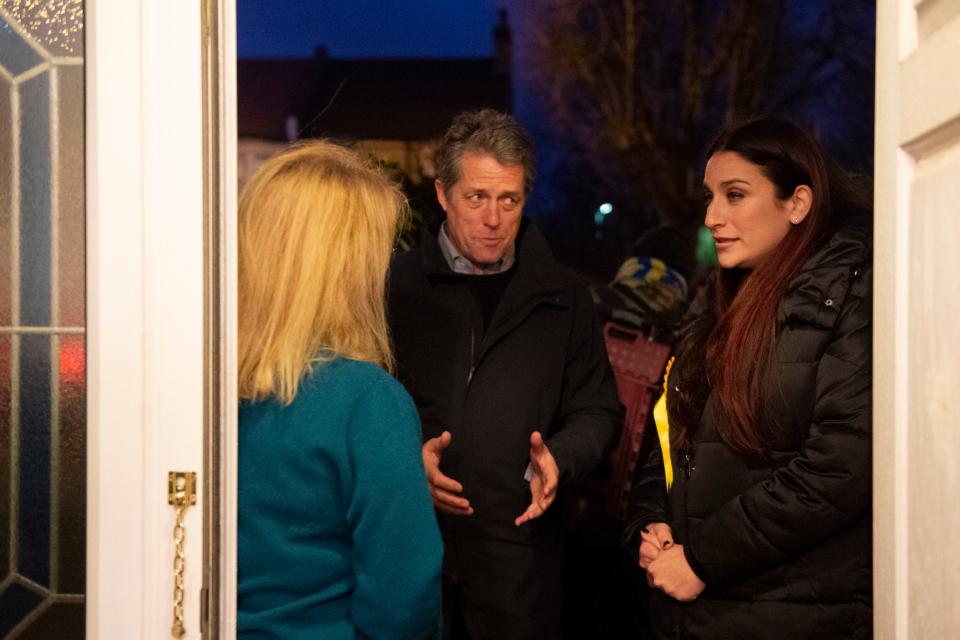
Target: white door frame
145, 284
916, 344
222, 20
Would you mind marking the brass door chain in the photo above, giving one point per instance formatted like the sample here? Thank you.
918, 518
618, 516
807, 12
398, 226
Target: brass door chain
179, 560
182, 492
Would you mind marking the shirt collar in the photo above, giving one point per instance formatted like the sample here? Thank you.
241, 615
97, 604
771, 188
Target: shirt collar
458, 263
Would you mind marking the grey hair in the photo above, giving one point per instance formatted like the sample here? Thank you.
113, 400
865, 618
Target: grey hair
485, 131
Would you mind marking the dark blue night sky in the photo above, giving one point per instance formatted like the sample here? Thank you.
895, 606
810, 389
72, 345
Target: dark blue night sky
365, 28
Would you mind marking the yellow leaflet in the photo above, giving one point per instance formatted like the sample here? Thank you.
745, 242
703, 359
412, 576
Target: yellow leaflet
663, 428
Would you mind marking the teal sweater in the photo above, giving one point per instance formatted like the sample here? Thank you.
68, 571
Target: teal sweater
337, 535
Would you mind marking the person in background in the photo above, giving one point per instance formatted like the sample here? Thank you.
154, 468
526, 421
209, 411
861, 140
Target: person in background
758, 525
336, 532
501, 349
651, 289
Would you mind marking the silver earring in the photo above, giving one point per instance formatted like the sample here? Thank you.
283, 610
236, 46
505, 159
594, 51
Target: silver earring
795, 220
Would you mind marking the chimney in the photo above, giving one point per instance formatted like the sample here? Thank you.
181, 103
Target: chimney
502, 47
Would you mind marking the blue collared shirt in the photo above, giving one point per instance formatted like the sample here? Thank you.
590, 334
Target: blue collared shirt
458, 263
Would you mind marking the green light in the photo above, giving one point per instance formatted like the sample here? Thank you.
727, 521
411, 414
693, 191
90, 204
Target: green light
606, 209
706, 249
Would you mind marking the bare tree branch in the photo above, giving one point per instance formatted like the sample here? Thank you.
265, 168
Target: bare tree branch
637, 86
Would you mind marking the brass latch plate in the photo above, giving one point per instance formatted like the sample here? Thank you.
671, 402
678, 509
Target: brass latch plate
182, 488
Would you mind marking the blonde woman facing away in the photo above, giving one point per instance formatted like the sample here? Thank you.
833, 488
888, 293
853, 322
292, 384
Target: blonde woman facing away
337, 535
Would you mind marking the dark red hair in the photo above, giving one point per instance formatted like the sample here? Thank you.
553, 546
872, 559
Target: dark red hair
732, 341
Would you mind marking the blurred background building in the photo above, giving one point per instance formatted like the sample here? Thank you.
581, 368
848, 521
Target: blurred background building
393, 108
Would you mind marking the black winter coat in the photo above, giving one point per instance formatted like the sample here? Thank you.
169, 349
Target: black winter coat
783, 541
541, 366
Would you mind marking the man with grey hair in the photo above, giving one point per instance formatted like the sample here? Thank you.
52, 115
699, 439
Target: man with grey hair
501, 350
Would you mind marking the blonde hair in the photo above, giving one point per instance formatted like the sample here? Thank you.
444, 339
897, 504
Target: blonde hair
316, 229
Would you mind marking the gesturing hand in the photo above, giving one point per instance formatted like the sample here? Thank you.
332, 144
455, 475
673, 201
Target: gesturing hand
671, 573
656, 537
443, 488
543, 479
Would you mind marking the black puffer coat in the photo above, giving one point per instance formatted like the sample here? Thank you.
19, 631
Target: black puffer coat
783, 541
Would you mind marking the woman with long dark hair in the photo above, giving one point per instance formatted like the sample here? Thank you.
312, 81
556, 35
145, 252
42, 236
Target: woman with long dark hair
758, 524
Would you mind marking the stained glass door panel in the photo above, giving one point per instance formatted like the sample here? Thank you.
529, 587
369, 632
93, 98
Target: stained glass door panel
42, 320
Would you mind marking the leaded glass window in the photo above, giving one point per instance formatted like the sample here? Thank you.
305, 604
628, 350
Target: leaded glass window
42, 344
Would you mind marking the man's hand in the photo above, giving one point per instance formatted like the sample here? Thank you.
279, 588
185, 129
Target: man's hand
543, 479
443, 488
671, 573
656, 537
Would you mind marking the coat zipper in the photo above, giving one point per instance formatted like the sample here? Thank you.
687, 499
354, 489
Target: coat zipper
473, 336
687, 465
473, 347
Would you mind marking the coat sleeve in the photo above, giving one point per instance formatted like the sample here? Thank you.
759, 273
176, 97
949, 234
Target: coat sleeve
590, 416
648, 494
397, 550
824, 489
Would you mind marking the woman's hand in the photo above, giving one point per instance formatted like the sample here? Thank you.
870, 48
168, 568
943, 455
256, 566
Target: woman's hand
654, 538
671, 573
